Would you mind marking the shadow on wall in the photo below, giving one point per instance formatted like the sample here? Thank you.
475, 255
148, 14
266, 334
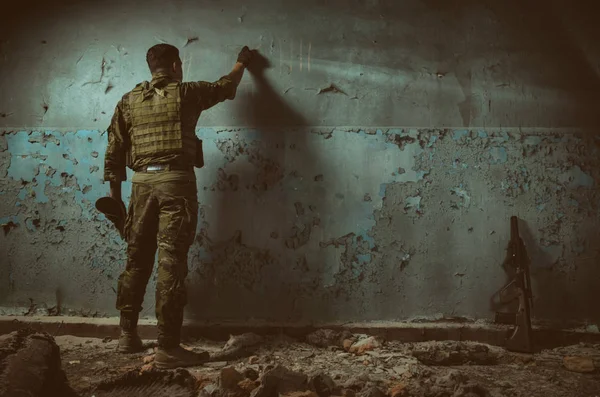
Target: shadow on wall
544, 28
556, 298
522, 47
259, 257
536, 37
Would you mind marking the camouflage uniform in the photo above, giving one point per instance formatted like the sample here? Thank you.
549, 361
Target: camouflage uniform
155, 125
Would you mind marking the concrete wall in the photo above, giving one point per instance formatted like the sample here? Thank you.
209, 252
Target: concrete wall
388, 200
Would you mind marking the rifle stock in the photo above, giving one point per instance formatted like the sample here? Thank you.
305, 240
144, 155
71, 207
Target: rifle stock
518, 289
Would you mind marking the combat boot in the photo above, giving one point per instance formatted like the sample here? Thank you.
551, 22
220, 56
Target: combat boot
178, 357
129, 341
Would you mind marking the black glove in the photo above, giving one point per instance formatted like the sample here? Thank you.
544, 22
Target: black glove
245, 56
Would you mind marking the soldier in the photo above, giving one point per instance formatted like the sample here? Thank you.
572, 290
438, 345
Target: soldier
153, 132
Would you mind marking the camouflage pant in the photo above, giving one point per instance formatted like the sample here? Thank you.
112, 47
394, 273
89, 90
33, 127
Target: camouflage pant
162, 215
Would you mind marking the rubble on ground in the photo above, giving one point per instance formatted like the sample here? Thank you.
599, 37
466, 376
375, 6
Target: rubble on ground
156, 383
365, 344
230, 378
30, 364
579, 364
281, 381
327, 337
238, 346
282, 366
323, 385
248, 339
456, 353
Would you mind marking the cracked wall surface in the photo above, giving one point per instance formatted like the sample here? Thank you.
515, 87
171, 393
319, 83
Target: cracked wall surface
423, 63
350, 226
366, 170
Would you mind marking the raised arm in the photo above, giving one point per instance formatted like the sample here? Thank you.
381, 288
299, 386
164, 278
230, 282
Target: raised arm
207, 95
243, 60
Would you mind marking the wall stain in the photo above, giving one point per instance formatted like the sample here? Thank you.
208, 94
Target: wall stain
231, 261
300, 232
408, 239
269, 172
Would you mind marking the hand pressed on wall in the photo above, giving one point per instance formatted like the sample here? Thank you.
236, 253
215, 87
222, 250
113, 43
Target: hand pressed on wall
245, 56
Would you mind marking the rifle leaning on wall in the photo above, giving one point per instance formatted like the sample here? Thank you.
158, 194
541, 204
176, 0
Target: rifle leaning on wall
518, 290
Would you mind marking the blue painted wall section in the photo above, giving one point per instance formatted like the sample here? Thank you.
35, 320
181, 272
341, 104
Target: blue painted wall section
301, 226
404, 212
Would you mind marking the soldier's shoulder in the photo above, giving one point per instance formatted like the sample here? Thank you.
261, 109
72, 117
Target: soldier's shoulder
138, 87
194, 88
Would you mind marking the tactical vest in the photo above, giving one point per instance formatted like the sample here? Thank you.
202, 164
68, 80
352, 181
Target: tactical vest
156, 124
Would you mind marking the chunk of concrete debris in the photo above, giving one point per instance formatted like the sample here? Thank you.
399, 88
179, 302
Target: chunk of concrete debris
204, 378
471, 390
248, 385
322, 384
30, 365
348, 393
301, 394
216, 364
253, 360
234, 353
306, 354
229, 378
147, 367
454, 353
450, 383
579, 364
148, 359
357, 382
154, 382
328, 337
451, 379
371, 392
237, 347
211, 389
366, 344
347, 344
248, 339
400, 370
250, 373
203, 393
281, 380
398, 390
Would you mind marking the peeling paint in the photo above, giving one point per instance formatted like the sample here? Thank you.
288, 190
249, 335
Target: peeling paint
458, 134
232, 261
499, 155
462, 193
366, 187
413, 202
575, 178
8, 223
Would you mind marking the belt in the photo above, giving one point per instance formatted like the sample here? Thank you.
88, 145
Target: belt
164, 167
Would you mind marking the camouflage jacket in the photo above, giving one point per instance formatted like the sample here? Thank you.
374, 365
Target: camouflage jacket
195, 97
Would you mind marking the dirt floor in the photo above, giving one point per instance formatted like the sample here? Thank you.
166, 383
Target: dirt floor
358, 366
